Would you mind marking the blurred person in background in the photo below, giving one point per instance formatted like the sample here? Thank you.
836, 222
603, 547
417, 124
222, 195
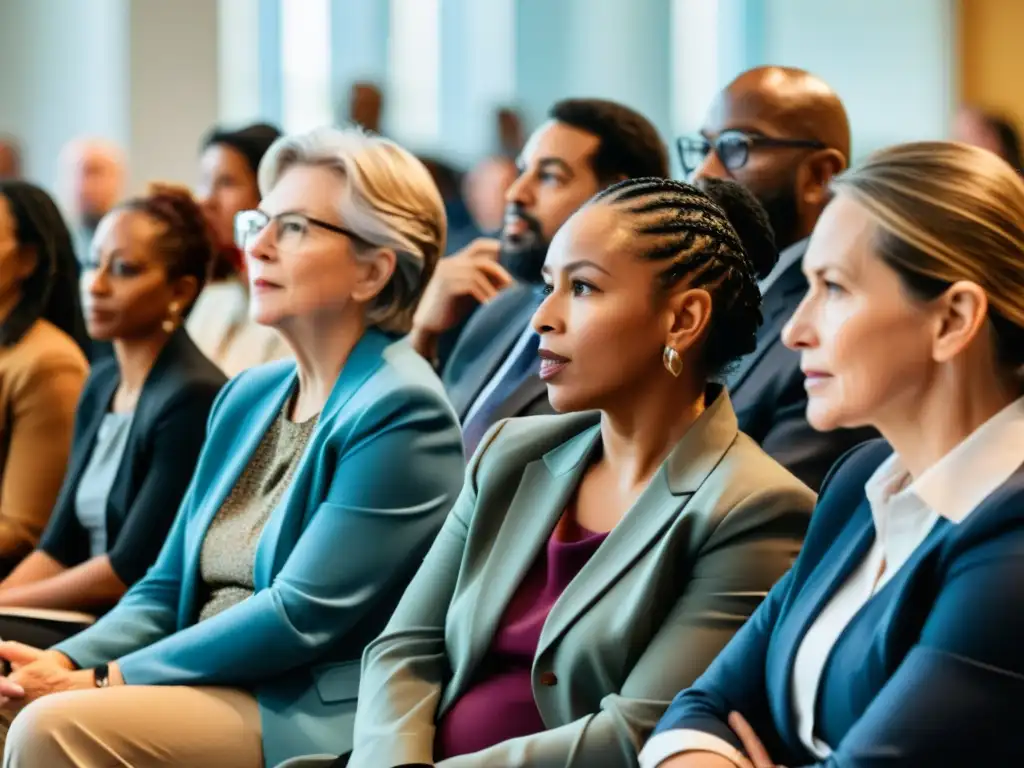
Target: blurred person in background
491, 373
42, 364
484, 189
989, 130
93, 179
220, 323
10, 158
895, 638
783, 134
140, 422
462, 229
240, 647
366, 106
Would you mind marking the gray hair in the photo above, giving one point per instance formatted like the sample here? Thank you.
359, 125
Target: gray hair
390, 201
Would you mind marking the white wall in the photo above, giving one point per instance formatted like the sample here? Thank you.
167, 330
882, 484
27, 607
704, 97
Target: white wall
141, 73
893, 62
64, 74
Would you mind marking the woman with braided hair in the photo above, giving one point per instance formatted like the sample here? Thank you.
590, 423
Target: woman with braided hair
140, 421
599, 559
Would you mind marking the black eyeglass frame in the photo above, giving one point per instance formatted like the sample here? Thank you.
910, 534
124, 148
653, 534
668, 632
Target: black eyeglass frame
750, 141
254, 213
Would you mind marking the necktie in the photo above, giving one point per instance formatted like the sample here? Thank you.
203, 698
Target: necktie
514, 373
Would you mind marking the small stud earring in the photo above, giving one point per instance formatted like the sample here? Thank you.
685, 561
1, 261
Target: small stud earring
673, 362
171, 322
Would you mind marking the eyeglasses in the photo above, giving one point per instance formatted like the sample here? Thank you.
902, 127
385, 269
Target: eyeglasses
732, 147
290, 229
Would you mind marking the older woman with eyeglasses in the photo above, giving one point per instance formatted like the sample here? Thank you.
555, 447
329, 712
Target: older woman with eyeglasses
241, 646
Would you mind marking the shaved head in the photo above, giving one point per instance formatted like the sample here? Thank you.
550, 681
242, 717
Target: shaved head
772, 106
792, 102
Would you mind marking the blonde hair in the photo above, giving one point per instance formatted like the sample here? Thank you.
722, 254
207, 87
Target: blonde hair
390, 201
949, 212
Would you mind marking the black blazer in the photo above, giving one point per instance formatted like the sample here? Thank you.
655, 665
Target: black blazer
163, 446
767, 390
481, 349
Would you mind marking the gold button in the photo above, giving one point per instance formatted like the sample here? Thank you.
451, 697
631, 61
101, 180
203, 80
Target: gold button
548, 678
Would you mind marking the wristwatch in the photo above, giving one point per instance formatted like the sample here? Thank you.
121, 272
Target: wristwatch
101, 675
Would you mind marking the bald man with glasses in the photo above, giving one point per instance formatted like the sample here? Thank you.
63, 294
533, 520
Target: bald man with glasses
783, 134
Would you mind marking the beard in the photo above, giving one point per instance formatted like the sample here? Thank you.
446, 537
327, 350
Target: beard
523, 254
783, 213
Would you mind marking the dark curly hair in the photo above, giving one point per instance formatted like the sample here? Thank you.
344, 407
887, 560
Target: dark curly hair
187, 244
684, 227
51, 291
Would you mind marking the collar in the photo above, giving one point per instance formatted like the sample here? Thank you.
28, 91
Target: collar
789, 256
962, 479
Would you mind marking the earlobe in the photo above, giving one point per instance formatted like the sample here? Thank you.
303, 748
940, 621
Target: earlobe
375, 274
964, 314
691, 313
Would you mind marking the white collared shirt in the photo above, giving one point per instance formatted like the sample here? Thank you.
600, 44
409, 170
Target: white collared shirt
904, 513
789, 256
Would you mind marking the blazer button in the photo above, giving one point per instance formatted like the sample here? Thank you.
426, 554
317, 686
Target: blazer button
548, 679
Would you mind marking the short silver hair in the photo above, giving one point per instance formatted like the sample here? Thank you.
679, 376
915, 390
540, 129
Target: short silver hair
390, 201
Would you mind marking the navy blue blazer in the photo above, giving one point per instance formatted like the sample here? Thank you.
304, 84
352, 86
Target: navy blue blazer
930, 672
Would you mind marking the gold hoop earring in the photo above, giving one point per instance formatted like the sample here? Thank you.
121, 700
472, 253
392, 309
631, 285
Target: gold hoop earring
170, 323
673, 362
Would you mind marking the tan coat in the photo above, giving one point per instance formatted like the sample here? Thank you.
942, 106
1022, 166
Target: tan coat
41, 379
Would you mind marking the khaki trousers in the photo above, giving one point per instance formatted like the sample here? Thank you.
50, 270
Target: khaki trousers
139, 726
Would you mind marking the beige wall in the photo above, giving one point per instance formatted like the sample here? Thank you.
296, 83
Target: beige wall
992, 55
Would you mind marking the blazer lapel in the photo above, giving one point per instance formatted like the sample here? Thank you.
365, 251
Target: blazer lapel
542, 496
832, 571
494, 348
661, 504
80, 458
250, 433
778, 306
283, 527
528, 392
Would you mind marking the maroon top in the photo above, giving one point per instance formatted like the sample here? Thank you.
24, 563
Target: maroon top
499, 704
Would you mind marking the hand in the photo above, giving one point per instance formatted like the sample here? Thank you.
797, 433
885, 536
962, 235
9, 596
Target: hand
41, 678
20, 655
471, 276
752, 745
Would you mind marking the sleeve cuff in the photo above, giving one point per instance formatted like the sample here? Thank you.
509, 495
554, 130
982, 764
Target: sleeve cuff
670, 743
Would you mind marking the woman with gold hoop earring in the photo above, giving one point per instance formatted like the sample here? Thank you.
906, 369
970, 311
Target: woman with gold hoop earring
596, 561
140, 422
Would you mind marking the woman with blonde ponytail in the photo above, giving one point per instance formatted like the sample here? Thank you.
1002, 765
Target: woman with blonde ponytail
895, 638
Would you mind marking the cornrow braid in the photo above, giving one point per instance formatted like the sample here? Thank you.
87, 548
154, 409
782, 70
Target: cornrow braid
681, 225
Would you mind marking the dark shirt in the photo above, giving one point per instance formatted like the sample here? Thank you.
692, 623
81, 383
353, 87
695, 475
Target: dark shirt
500, 706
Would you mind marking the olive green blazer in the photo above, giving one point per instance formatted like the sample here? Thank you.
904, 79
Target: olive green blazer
718, 525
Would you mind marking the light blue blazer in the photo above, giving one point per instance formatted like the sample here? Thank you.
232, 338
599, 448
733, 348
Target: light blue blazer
377, 478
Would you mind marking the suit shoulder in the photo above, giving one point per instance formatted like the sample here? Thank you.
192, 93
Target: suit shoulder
248, 387
747, 470
527, 438
46, 349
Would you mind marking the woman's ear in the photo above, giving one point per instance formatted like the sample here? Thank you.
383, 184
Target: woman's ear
374, 273
185, 290
962, 311
26, 261
689, 316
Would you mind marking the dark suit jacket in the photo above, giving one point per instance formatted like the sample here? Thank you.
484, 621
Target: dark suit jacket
714, 529
481, 349
166, 434
930, 672
767, 390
